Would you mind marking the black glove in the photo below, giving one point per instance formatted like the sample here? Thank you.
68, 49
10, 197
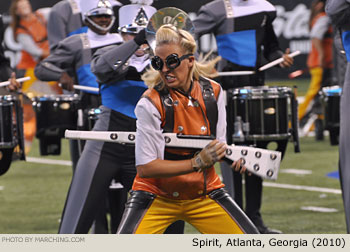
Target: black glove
140, 37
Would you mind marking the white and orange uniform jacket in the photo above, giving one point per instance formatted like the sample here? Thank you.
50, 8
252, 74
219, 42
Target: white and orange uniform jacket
189, 119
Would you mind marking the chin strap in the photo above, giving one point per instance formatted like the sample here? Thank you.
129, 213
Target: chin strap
104, 29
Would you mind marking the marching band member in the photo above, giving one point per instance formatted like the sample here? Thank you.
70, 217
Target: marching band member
339, 11
5, 67
125, 82
74, 54
171, 186
29, 30
118, 70
241, 28
67, 18
6, 73
320, 63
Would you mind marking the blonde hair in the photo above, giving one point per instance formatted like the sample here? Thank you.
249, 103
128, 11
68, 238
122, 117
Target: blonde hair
169, 34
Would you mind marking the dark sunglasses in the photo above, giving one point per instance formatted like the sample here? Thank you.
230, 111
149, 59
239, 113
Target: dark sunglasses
172, 61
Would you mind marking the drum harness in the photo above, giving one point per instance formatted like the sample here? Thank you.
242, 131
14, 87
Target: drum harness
211, 114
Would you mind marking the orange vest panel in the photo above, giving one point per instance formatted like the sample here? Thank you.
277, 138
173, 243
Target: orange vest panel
36, 28
192, 122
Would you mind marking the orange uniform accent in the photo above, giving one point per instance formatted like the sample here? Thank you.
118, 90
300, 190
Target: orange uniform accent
191, 118
327, 42
36, 28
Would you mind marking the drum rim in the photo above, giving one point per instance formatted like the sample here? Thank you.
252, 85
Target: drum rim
60, 97
326, 90
281, 136
263, 91
8, 97
92, 111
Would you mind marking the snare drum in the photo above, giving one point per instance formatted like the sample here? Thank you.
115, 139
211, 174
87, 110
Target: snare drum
331, 106
8, 134
54, 114
264, 112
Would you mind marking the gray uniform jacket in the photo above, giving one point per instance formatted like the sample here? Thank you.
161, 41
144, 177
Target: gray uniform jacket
339, 11
111, 63
119, 72
74, 54
65, 19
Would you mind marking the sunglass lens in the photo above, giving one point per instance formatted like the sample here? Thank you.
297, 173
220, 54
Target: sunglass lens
157, 63
173, 61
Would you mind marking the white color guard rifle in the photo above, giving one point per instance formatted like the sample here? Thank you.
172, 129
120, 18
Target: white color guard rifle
263, 163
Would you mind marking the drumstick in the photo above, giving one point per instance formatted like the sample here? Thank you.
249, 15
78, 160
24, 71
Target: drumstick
297, 73
267, 66
235, 73
83, 88
278, 61
6, 83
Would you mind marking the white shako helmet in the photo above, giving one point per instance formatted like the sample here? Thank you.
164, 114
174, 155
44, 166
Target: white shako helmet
134, 17
92, 8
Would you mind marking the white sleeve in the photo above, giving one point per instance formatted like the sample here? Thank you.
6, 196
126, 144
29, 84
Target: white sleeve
221, 125
320, 27
150, 142
29, 45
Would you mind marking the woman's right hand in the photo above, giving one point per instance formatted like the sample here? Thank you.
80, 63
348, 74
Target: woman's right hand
209, 155
238, 166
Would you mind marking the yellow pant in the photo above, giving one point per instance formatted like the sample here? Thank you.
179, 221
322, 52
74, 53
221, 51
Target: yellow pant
315, 85
205, 214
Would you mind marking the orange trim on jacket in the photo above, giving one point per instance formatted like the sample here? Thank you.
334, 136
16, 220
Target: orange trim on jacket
191, 185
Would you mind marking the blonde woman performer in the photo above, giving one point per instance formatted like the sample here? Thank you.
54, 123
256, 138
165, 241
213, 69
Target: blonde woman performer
178, 184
